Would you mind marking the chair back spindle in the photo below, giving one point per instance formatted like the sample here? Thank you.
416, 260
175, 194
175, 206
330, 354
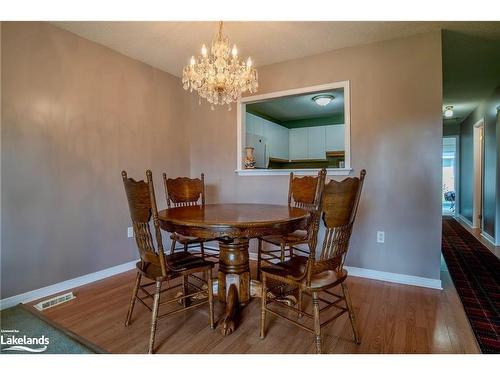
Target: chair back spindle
184, 191
142, 205
305, 192
339, 205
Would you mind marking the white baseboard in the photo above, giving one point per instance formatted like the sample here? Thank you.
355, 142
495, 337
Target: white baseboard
485, 235
488, 238
380, 275
87, 279
65, 285
394, 277
466, 221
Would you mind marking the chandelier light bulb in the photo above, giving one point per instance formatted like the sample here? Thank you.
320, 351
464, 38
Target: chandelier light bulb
192, 61
234, 51
204, 50
249, 62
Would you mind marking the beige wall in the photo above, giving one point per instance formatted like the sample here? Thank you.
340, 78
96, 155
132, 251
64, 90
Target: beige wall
396, 135
75, 114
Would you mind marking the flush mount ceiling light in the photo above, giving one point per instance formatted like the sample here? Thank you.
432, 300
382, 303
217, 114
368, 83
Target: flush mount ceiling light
219, 75
448, 111
323, 100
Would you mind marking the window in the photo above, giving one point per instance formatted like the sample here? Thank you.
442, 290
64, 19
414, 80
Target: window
300, 130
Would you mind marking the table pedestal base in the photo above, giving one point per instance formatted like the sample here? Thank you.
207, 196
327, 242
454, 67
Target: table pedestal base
233, 286
233, 280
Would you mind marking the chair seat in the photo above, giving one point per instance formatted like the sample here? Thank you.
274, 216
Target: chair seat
299, 236
186, 260
327, 279
185, 239
181, 262
294, 269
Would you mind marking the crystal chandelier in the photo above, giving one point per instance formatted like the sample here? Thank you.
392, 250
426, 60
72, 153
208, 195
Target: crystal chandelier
220, 77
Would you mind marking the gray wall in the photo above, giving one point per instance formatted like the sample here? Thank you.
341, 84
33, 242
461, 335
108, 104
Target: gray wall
396, 99
74, 114
466, 172
486, 110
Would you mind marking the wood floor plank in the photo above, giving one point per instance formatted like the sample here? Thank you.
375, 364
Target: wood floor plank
392, 318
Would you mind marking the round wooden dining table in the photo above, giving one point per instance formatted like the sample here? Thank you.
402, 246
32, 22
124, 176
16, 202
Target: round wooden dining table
233, 225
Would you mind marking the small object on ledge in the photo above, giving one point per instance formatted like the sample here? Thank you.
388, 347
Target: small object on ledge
249, 159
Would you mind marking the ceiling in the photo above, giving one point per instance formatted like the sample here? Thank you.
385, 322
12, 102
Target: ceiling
471, 71
290, 111
169, 45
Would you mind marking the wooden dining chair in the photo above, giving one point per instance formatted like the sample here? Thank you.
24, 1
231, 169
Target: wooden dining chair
314, 276
154, 265
183, 192
303, 192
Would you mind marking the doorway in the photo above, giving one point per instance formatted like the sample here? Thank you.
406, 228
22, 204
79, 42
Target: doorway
449, 194
478, 139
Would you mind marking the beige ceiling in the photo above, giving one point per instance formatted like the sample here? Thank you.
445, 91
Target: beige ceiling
169, 45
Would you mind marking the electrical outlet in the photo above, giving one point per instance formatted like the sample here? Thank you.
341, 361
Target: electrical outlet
380, 236
130, 232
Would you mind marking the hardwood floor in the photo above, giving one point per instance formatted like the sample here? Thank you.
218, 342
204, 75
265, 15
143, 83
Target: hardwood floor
392, 318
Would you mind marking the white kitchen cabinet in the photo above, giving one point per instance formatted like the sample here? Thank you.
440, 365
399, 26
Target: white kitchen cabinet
293, 144
278, 141
254, 125
249, 124
298, 144
335, 136
316, 142
274, 135
307, 143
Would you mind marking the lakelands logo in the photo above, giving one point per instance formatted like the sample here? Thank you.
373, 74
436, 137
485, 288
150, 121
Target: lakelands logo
23, 343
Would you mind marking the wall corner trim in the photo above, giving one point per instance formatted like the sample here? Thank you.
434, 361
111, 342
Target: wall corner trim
65, 285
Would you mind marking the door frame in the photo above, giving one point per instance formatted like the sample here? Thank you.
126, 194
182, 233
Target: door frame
456, 173
478, 175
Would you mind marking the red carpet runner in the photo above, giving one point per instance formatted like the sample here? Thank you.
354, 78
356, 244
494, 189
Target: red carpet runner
476, 274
